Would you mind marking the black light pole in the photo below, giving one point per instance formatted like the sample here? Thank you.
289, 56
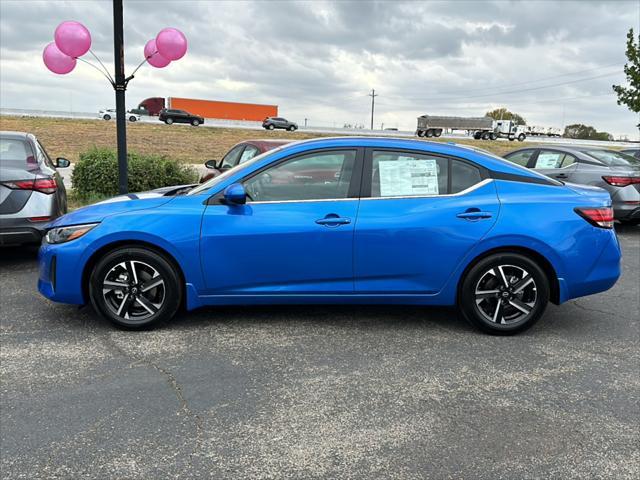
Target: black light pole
120, 87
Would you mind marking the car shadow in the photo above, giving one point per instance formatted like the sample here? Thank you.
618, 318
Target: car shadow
18, 255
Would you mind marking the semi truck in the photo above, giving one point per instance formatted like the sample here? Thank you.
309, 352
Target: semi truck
481, 128
208, 108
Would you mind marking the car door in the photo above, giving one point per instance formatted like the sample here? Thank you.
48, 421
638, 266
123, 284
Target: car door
419, 215
555, 164
293, 236
61, 192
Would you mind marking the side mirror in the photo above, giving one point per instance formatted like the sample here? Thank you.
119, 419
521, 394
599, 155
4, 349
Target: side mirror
235, 194
212, 164
62, 162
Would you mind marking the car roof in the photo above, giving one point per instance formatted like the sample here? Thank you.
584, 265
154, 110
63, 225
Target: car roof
264, 144
16, 135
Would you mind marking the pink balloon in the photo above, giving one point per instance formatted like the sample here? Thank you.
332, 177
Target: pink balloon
171, 43
56, 61
153, 57
72, 38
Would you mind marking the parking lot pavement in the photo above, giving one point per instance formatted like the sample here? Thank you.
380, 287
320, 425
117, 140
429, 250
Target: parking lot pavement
319, 392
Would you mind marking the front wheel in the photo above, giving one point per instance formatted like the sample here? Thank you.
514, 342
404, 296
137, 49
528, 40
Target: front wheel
107, 117
132, 118
291, 128
521, 137
504, 294
135, 288
271, 127
195, 122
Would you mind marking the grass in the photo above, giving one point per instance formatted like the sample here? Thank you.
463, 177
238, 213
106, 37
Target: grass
68, 137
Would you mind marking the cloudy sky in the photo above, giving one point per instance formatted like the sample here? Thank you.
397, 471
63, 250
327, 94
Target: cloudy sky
551, 61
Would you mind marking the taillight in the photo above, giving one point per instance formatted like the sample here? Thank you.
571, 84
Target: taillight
621, 181
598, 217
44, 185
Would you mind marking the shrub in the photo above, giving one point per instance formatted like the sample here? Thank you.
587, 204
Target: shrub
96, 173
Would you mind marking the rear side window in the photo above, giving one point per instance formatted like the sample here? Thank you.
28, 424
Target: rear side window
15, 153
520, 158
400, 174
549, 159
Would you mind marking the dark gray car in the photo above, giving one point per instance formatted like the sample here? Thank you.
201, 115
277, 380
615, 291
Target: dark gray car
31, 190
614, 171
271, 123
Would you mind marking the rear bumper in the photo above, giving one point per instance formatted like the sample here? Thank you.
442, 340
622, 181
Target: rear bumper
16, 231
626, 212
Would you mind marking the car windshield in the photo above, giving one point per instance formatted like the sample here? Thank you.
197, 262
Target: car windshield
613, 159
16, 153
232, 171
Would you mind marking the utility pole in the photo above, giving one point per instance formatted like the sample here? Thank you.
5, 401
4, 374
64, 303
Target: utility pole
373, 96
305, 121
120, 87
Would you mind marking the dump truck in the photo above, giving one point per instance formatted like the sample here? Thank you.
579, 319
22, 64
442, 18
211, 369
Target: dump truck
481, 128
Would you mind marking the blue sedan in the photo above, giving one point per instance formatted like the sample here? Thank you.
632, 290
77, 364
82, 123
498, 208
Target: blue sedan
342, 220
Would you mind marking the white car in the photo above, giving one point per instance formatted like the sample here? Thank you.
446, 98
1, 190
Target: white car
109, 113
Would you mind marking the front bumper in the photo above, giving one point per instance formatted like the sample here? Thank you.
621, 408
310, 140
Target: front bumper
17, 231
61, 270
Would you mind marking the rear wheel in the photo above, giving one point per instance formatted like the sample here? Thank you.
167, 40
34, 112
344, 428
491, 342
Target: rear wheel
486, 135
504, 294
420, 133
132, 118
437, 132
169, 121
271, 127
429, 133
135, 288
493, 136
106, 116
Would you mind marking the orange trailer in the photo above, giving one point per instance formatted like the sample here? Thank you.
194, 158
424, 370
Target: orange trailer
224, 110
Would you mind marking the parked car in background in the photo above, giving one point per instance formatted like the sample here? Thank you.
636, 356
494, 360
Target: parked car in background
634, 152
238, 154
171, 115
614, 171
384, 221
271, 123
31, 190
110, 113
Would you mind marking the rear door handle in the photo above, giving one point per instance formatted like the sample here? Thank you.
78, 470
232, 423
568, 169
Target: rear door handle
332, 220
474, 215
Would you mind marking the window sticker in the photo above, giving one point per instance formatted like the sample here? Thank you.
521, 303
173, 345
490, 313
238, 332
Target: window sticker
547, 160
408, 176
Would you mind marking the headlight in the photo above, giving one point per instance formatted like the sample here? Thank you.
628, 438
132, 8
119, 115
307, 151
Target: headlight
66, 234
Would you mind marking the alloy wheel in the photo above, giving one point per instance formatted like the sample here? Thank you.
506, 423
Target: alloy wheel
506, 294
133, 290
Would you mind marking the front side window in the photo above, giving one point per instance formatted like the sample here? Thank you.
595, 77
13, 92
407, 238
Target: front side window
316, 176
248, 153
520, 158
400, 174
230, 160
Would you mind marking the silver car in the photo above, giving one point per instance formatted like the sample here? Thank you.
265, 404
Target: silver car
616, 172
31, 190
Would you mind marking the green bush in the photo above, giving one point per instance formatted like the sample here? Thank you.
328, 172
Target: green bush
96, 173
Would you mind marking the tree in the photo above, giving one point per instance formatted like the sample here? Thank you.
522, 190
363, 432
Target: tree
630, 95
585, 132
504, 114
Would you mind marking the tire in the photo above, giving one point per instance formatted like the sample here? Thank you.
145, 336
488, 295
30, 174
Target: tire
132, 118
291, 128
511, 139
150, 307
486, 135
420, 133
521, 137
106, 116
437, 132
493, 136
169, 121
500, 301
195, 122
271, 127
477, 135
429, 133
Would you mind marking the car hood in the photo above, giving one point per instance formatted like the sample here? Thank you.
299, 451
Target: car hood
112, 206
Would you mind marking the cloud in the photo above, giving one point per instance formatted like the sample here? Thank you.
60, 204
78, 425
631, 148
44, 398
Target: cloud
320, 59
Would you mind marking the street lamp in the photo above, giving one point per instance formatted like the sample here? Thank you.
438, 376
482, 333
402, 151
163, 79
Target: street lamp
72, 40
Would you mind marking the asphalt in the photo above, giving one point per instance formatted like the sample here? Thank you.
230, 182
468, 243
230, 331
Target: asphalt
319, 392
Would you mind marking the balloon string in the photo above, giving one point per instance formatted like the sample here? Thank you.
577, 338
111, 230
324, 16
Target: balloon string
141, 64
103, 67
108, 77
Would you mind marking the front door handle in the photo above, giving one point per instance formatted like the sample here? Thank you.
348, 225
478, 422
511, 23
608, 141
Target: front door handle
474, 214
333, 220
561, 175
